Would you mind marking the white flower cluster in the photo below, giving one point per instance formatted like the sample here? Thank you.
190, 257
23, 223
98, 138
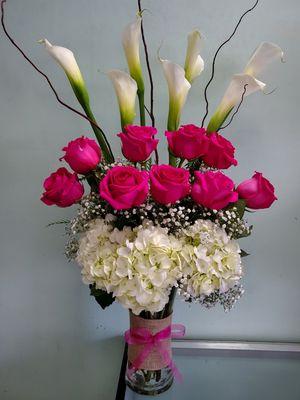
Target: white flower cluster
140, 265
213, 260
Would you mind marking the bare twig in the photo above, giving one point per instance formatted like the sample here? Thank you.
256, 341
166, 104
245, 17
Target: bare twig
215, 57
237, 110
44, 75
150, 112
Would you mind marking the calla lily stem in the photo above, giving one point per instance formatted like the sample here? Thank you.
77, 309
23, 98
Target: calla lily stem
172, 126
141, 96
105, 147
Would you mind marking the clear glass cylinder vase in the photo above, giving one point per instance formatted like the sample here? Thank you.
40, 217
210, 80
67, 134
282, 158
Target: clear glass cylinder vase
154, 375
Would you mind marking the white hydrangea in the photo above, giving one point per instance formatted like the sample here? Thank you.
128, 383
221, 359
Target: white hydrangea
139, 266
212, 260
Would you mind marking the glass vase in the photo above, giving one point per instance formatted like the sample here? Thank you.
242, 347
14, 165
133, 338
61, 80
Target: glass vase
154, 375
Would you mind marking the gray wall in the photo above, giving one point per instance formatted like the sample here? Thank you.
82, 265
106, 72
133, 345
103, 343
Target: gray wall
55, 341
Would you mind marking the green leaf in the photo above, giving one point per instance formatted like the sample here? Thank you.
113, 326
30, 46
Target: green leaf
244, 253
61, 222
103, 298
240, 205
245, 233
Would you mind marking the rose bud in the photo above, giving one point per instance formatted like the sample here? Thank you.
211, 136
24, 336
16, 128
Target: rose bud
258, 192
124, 187
213, 190
169, 184
188, 142
138, 142
82, 154
62, 188
220, 153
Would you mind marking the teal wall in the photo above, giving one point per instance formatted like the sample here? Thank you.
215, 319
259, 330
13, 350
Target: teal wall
55, 341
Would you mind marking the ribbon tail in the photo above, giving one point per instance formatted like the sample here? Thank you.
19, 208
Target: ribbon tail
177, 374
178, 331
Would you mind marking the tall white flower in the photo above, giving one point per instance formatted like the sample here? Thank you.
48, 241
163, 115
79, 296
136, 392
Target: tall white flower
131, 44
126, 90
178, 87
66, 59
194, 63
246, 83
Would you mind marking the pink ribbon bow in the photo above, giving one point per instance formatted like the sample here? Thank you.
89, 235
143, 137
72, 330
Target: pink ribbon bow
143, 336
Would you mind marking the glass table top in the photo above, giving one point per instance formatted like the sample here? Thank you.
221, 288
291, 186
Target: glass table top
231, 375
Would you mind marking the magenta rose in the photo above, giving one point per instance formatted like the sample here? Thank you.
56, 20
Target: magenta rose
258, 192
169, 184
82, 154
124, 187
138, 142
62, 188
213, 190
220, 152
188, 142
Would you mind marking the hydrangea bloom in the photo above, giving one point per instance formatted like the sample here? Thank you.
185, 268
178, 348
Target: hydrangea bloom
212, 260
139, 266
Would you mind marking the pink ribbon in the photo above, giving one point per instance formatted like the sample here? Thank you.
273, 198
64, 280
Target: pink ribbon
143, 336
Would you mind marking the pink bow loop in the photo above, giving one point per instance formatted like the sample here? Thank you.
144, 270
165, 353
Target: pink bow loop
143, 336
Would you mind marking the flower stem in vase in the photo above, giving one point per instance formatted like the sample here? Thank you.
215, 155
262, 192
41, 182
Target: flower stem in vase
153, 375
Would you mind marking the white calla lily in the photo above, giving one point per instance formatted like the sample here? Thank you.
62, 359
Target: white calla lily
194, 63
126, 90
178, 87
131, 44
264, 55
246, 83
65, 58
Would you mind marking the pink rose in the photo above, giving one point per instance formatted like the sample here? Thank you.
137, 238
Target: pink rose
82, 154
258, 192
220, 153
124, 187
188, 142
169, 184
138, 142
213, 190
62, 188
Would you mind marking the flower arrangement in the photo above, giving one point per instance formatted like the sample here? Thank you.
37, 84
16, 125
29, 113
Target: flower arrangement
145, 229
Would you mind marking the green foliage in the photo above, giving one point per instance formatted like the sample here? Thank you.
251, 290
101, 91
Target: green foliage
244, 253
60, 222
244, 234
103, 298
240, 206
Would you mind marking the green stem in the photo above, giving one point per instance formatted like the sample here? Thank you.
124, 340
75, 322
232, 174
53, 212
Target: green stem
172, 159
105, 147
143, 165
173, 123
217, 120
141, 95
92, 181
181, 162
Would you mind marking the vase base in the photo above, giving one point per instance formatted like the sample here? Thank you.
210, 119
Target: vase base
150, 383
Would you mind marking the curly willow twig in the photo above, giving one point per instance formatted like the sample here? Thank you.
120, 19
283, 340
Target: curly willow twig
150, 112
215, 57
44, 75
